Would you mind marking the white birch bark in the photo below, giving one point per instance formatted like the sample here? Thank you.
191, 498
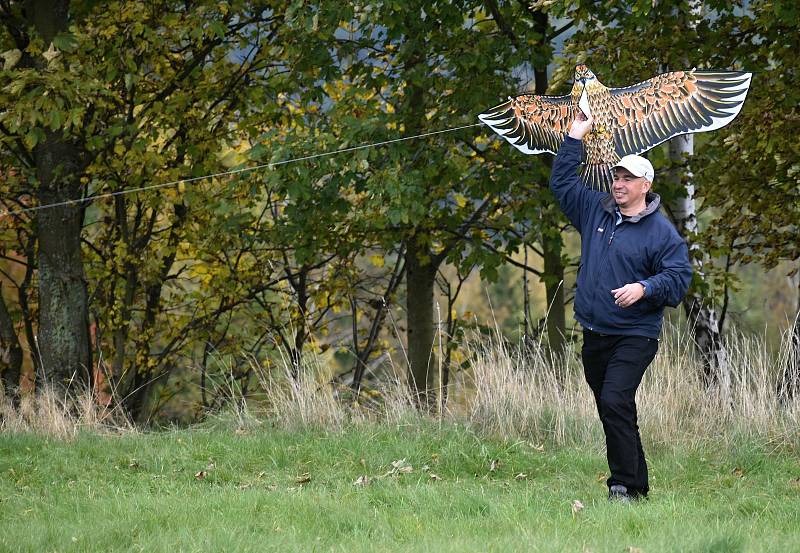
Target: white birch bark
701, 314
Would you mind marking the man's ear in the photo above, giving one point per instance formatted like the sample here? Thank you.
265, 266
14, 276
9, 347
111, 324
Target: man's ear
647, 185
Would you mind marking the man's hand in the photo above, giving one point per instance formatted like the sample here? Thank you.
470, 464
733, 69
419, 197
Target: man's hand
628, 294
581, 126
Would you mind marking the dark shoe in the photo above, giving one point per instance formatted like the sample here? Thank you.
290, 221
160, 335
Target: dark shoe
619, 493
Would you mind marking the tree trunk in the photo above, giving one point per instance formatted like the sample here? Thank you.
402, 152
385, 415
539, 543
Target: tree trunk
145, 381
554, 289
420, 280
296, 351
10, 353
63, 341
789, 385
702, 317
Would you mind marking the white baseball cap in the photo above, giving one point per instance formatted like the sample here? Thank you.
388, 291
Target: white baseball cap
638, 166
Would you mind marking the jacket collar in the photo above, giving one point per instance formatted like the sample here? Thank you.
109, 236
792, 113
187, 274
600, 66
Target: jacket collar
652, 201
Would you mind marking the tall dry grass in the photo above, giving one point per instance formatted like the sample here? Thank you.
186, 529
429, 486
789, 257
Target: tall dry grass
61, 415
510, 390
310, 400
521, 391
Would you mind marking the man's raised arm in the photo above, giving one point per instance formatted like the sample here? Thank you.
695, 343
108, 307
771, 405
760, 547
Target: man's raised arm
565, 183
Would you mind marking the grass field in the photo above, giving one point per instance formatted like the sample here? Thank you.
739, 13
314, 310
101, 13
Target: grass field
270, 489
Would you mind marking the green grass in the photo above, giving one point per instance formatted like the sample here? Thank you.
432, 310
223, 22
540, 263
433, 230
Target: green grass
139, 492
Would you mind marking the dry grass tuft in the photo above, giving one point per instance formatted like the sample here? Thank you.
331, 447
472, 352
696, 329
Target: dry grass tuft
509, 390
523, 392
61, 416
309, 400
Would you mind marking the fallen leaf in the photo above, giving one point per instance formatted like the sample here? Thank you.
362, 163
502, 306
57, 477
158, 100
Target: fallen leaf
134, 464
601, 477
245, 486
632, 549
493, 465
10, 58
537, 447
200, 474
738, 472
577, 507
272, 487
362, 462
51, 53
794, 482
521, 476
304, 478
435, 457
425, 468
400, 467
362, 481
435, 477
262, 474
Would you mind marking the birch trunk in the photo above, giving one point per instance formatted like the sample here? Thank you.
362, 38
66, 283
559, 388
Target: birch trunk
702, 317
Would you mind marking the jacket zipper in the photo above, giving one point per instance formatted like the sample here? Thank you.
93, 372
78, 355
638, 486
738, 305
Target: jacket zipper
604, 262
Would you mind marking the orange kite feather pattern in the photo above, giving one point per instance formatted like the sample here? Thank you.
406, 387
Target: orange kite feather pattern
628, 120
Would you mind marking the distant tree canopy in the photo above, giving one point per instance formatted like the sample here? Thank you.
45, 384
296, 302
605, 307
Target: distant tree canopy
194, 286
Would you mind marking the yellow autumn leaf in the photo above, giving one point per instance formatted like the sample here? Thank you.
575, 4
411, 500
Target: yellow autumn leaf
376, 260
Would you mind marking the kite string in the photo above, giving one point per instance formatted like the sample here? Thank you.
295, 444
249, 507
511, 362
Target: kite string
234, 171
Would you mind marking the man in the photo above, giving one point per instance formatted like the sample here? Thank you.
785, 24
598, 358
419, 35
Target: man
633, 263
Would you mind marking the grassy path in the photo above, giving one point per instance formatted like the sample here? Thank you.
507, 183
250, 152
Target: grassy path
273, 490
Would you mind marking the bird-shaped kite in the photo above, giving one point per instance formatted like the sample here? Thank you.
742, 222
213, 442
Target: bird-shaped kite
629, 120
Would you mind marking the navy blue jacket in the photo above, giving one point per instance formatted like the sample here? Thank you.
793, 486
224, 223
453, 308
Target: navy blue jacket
644, 248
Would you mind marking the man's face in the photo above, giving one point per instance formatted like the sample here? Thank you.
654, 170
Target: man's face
628, 189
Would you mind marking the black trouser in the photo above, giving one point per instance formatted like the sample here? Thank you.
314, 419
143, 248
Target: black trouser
614, 366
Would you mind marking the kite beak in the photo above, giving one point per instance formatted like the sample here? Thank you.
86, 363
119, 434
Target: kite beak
583, 103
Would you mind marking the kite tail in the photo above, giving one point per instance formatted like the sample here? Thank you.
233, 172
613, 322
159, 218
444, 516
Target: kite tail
597, 176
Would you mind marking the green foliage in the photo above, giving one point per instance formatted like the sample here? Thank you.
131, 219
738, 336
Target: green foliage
192, 280
153, 93
752, 176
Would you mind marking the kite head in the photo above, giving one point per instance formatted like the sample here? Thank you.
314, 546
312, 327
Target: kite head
584, 75
585, 81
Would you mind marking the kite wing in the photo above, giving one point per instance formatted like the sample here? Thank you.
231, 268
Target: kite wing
532, 124
682, 102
